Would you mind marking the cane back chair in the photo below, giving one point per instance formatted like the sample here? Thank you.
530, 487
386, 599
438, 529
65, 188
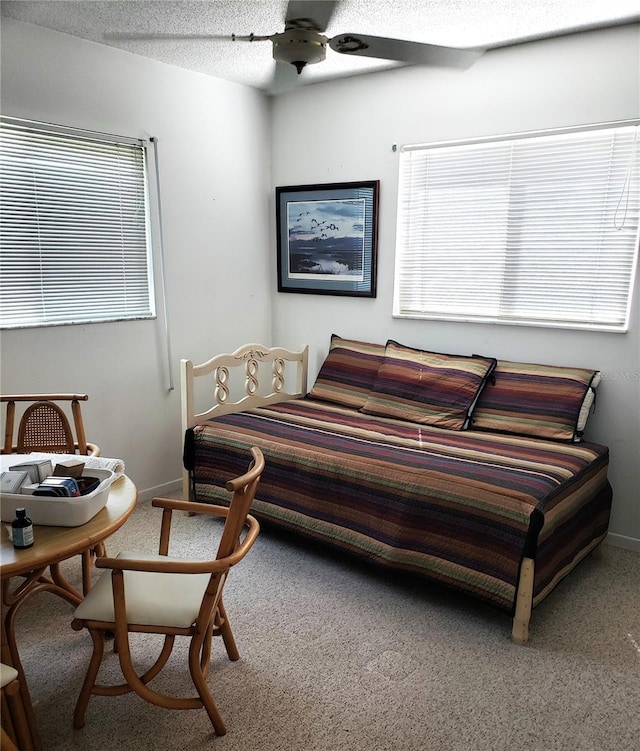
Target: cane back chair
44, 425
171, 596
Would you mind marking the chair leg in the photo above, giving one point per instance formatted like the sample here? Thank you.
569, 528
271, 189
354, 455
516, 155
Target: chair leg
199, 653
205, 652
87, 564
222, 624
16, 699
204, 699
200, 683
90, 678
17, 718
167, 648
7, 731
6, 744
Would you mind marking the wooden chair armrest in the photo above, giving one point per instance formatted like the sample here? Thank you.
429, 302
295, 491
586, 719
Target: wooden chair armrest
169, 505
186, 566
159, 567
93, 449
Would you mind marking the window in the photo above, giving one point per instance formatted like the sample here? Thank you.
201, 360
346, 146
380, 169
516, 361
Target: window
74, 227
534, 229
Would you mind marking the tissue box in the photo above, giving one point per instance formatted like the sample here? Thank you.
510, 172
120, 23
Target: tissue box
60, 511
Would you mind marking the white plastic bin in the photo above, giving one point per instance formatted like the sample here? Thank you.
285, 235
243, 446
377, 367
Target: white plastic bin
60, 512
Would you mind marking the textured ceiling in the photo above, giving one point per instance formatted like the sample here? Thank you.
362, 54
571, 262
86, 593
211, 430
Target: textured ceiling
456, 23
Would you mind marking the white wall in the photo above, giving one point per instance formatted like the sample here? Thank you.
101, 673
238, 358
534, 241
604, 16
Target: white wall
344, 131
213, 139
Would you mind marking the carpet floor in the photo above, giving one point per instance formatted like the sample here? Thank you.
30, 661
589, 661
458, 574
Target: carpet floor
339, 655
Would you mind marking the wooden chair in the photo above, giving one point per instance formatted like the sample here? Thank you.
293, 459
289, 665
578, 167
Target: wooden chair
44, 425
15, 734
176, 597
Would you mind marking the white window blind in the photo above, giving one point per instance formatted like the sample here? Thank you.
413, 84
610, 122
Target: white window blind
74, 232
536, 229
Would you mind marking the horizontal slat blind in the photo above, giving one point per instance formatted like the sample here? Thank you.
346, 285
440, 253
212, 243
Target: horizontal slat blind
534, 230
74, 228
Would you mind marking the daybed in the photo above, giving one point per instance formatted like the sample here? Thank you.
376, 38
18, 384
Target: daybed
465, 470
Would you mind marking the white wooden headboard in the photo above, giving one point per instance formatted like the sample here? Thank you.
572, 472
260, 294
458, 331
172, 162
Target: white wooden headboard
252, 376
262, 368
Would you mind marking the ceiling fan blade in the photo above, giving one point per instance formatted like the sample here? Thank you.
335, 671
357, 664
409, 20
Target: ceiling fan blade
124, 36
403, 51
309, 14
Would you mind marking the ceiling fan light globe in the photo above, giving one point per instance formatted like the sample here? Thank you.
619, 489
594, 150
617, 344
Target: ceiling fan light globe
299, 48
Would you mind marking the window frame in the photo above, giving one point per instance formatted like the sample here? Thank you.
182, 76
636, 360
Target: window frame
142, 283
419, 258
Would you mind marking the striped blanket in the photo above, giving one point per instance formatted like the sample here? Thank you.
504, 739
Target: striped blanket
459, 507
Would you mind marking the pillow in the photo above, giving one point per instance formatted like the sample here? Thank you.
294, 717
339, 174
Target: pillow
348, 373
427, 387
543, 401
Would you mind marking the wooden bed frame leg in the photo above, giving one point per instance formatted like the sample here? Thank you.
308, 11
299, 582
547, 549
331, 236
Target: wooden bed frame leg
597, 552
524, 603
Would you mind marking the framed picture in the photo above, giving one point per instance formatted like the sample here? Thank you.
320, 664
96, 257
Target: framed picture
327, 238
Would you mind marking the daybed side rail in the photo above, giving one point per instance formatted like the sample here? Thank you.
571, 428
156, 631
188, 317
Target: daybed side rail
255, 359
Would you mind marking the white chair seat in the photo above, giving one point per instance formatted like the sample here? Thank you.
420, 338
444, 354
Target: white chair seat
153, 599
7, 674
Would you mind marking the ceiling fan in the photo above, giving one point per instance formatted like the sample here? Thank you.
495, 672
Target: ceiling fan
303, 41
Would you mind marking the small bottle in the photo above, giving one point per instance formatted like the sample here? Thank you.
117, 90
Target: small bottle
22, 530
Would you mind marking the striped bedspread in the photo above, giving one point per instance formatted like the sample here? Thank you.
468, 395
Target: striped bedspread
459, 507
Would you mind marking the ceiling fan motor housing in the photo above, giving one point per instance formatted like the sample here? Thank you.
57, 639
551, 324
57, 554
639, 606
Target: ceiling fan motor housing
299, 47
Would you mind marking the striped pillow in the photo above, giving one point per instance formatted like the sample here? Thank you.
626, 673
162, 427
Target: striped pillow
427, 387
543, 401
348, 373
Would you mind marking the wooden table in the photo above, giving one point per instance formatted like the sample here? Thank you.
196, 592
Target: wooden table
52, 545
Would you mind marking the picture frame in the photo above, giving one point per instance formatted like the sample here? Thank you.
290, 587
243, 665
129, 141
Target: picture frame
327, 238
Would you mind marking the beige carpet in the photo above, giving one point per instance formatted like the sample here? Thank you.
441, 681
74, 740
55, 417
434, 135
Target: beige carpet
339, 655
